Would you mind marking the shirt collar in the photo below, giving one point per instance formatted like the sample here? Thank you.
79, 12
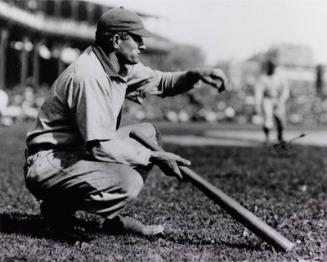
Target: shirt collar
110, 65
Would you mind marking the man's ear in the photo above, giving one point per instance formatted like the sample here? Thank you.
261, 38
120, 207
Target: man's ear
115, 41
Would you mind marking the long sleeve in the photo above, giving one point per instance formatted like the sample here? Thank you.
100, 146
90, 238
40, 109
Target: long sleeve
121, 151
143, 80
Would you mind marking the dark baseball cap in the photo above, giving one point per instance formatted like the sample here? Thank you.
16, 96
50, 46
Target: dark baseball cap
122, 20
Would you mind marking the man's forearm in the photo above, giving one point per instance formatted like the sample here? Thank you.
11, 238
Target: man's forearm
193, 76
120, 151
178, 83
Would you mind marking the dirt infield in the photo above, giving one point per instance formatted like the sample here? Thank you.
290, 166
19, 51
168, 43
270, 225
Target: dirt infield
285, 189
234, 135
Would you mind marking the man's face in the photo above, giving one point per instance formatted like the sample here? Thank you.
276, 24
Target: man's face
129, 49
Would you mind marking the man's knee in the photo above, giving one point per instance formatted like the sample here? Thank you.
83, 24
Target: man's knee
109, 202
132, 184
151, 132
268, 123
135, 188
128, 182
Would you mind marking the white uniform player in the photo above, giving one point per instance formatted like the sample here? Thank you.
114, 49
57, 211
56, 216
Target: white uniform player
271, 94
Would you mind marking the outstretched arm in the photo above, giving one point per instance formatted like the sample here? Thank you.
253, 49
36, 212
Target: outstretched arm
144, 80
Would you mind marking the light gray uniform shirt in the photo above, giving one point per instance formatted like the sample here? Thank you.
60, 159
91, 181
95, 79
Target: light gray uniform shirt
85, 102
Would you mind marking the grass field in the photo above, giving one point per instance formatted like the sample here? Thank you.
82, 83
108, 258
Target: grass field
286, 190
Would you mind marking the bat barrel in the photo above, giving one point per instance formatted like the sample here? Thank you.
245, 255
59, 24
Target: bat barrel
240, 213
237, 211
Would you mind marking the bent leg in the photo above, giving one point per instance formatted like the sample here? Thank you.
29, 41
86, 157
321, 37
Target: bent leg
105, 189
99, 187
114, 186
280, 120
267, 108
280, 128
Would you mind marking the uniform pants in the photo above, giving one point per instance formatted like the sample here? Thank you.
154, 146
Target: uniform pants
271, 113
71, 180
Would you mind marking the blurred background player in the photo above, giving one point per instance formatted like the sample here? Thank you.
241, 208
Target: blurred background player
4, 100
271, 94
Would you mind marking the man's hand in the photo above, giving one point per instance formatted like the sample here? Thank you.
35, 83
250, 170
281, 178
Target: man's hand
214, 77
168, 162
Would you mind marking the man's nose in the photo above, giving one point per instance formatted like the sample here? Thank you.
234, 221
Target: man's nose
142, 46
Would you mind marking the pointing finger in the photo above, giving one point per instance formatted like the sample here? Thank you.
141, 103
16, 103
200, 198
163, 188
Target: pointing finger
175, 169
183, 161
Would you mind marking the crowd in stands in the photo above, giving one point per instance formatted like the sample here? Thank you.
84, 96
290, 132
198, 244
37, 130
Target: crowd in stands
236, 106
304, 107
20, 105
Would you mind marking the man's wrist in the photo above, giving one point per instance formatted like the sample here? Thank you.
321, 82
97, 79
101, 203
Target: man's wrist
193, 75
153, 156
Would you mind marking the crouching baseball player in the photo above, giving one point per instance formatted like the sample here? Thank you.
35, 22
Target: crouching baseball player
78, 157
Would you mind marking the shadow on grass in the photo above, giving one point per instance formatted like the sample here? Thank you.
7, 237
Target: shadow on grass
21, 224
249, 247
188, 239
34, 225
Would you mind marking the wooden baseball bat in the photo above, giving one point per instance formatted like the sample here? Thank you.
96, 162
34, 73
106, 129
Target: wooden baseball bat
241, 214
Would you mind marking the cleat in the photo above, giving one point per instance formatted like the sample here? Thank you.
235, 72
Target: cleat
121, 225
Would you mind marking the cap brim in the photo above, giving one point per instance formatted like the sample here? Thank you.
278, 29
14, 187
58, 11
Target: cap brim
142, 32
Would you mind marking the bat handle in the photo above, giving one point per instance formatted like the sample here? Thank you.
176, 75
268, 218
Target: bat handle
141, 138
